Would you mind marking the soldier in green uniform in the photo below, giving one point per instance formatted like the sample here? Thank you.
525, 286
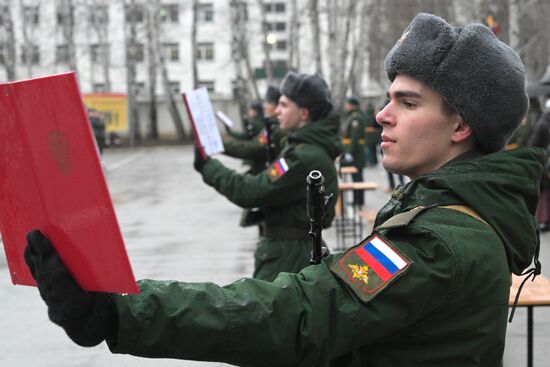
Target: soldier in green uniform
252, 124
304, 113
354, 144
259, 151
372, 135
430, 285
255, 150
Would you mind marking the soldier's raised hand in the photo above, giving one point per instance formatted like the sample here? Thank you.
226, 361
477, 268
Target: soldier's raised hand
88, 318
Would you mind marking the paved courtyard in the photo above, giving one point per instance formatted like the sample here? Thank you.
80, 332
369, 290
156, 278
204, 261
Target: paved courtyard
176, 227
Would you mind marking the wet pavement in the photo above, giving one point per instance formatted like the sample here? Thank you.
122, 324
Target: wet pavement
176, 227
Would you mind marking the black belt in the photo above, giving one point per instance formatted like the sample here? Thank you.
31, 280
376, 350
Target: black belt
285, 233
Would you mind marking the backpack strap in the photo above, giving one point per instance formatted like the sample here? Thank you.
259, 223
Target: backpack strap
403, 219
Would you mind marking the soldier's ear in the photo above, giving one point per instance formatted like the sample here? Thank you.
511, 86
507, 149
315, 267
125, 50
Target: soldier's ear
304, 114
462, 131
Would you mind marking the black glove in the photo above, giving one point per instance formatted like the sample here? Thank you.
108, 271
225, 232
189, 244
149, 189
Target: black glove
87, 317
199, 160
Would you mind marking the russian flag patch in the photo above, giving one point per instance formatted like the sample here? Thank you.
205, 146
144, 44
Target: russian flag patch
263, 138
371, 266
277, 169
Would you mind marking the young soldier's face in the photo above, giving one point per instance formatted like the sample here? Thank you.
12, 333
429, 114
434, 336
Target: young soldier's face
290, 115
417, 137
269, 109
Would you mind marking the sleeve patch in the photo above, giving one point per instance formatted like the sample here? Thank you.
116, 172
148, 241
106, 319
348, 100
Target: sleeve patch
277, 169
262, 139
371, 266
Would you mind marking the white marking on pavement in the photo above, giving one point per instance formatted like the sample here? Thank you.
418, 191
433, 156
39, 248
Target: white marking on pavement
121, 163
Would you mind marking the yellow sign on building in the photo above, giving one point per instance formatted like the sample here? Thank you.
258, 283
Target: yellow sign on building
113, 106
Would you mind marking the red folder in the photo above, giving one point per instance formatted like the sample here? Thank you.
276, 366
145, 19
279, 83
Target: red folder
52, 180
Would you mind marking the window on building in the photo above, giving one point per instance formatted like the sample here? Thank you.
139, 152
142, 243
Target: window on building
170, 51
205, 13
205, 51
99, 15
134, 13
60, 17
279, 64
98, 52
279, 7
138, 52
281, 45
276, 26
138, 88
99, 88
30, 54
274, 7
169, 13
62, 54
175, 87
31, 14
209, 84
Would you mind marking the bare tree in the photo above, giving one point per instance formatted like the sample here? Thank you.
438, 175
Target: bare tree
341, 16
240, 88
169, 97
359, 69
316, 34
9, 41
333, 10
466, 12
131, 13
265, 43
194, 43
29, 20
294, 34
349, 18
98, 19
65, 9
152, 31
240, 43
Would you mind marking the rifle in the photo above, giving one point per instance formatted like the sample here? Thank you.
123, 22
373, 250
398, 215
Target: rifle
249, 128
270, 148
316, 202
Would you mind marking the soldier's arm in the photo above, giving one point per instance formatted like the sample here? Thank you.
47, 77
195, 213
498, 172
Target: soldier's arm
297, 320
281, 183
246, 149
238, 135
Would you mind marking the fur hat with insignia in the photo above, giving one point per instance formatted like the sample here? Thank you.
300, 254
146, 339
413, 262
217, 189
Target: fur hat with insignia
308, 91
476, 73
272, 94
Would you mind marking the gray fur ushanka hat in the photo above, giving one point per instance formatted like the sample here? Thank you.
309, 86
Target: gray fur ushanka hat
308, 91
476, 73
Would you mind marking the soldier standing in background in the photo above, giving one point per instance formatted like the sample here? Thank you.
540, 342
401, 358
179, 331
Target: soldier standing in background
255, 150
354, 145
98, 127
253, 123
304, 112
372, 135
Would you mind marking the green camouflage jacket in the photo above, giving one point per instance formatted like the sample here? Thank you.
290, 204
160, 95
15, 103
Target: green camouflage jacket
437, 297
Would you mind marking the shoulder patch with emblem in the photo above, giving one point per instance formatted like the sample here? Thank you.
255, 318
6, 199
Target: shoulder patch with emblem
277, 169
371, 266
263, 138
